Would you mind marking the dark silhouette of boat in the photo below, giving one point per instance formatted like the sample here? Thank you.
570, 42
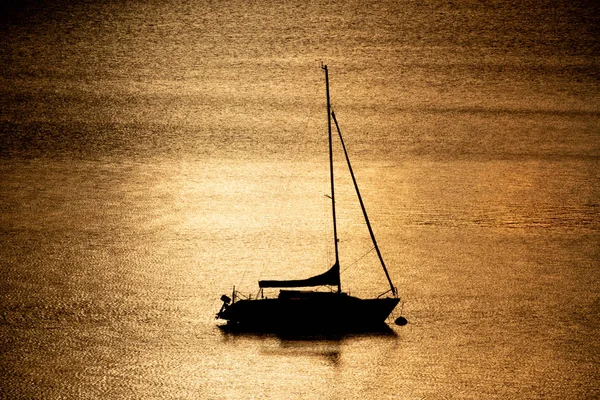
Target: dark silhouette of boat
303, 310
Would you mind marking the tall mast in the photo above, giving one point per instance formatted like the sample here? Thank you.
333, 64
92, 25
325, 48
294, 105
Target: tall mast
362, 206
335, 238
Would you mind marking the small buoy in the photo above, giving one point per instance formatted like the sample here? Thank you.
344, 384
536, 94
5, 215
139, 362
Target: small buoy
401, 321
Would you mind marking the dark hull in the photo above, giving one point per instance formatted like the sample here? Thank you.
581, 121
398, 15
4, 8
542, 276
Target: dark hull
309, 311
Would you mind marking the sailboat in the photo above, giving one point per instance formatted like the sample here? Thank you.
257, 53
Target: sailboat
296, 309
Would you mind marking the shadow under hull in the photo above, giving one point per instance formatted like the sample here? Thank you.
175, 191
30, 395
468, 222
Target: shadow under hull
308, 333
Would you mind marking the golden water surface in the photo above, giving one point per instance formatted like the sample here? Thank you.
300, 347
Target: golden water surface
155, 154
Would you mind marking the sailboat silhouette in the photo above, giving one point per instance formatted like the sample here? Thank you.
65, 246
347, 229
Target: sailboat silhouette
307, 309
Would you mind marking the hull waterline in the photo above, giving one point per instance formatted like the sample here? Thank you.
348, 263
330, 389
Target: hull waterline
308, 311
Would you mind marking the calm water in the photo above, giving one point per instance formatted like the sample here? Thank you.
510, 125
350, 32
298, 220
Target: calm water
154, 154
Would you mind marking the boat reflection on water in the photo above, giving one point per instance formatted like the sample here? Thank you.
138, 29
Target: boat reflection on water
326, 346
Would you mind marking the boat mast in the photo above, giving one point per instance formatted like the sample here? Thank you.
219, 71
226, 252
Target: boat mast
335, 238
362, 206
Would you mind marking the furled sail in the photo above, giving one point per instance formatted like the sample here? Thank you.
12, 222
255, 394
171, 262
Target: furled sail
331, 277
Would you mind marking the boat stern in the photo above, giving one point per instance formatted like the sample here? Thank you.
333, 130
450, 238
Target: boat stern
223, 312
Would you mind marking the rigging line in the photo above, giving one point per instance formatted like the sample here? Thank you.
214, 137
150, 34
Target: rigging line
356, 261
362, 206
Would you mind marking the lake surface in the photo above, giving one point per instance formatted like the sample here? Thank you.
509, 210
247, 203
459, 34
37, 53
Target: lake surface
155, 154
